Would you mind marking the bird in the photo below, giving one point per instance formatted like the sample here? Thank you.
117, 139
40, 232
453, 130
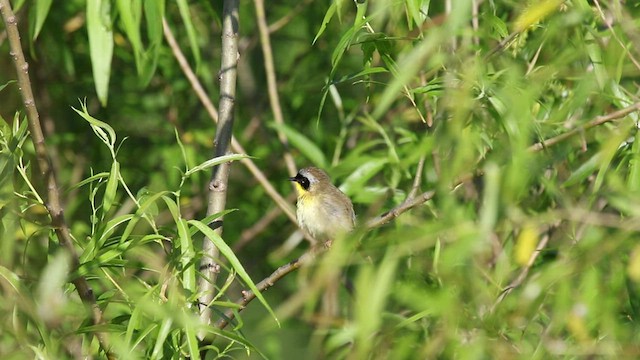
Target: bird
324, 211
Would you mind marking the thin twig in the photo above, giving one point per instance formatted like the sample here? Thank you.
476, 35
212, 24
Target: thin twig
598, 120
524, 272
191, 76
417, 180
217, 197
53, 200
615, 35
272, 86
249, 234
280, 23
235, 145
397, 211
268, 282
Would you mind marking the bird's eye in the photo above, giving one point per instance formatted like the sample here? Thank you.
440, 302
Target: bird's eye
304, 182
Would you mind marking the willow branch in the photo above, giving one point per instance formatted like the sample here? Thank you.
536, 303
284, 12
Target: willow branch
263, 285
524, 272
217, 197
46, 172
598, 120
213, 114
272, 86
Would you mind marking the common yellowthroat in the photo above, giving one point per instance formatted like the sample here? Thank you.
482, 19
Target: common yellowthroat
323, 210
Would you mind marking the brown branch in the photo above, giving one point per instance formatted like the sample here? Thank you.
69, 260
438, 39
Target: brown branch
217, 197
417, 180
598, 120
235, 145
249, 234
191, 76
280, 23
272, 86
53, 200
268, 282
397, 211
615, 34
524, 272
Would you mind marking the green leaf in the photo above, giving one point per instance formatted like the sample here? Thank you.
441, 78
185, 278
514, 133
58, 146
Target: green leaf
327, 17
42, 8
102, 129
186, 256
226, 251
100, 28
163, 333
130, 12
307, 147
192, 340
410, 64
12, 279
112, 187
154, 15
362, 174
186, 16
215, 161
6, 84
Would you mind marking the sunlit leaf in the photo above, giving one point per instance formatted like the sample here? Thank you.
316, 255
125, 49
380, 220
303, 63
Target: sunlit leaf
100, 28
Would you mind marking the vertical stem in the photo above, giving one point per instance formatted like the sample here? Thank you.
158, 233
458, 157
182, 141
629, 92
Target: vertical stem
220, 174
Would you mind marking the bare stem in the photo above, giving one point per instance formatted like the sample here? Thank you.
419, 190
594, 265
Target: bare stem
53, 199
272, 86
598, 120
220, 174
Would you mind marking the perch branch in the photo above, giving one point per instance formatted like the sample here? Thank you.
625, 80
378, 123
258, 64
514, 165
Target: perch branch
53, 201
598, 120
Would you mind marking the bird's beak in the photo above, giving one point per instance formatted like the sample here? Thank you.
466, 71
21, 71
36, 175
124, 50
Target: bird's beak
295, 178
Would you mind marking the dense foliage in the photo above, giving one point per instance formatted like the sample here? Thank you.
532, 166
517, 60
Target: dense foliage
502, 136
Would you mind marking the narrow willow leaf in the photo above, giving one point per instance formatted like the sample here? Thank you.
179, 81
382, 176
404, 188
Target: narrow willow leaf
327, 17
112, 187
186, 16
102, 129
186, 256
6, 84
192, 341
154, 13
226, 251
100, 28
410, 65
362, 174
41, 11
163, 333
130, 12
633, 181
96, 177
144, 206
215, 161
303, 144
